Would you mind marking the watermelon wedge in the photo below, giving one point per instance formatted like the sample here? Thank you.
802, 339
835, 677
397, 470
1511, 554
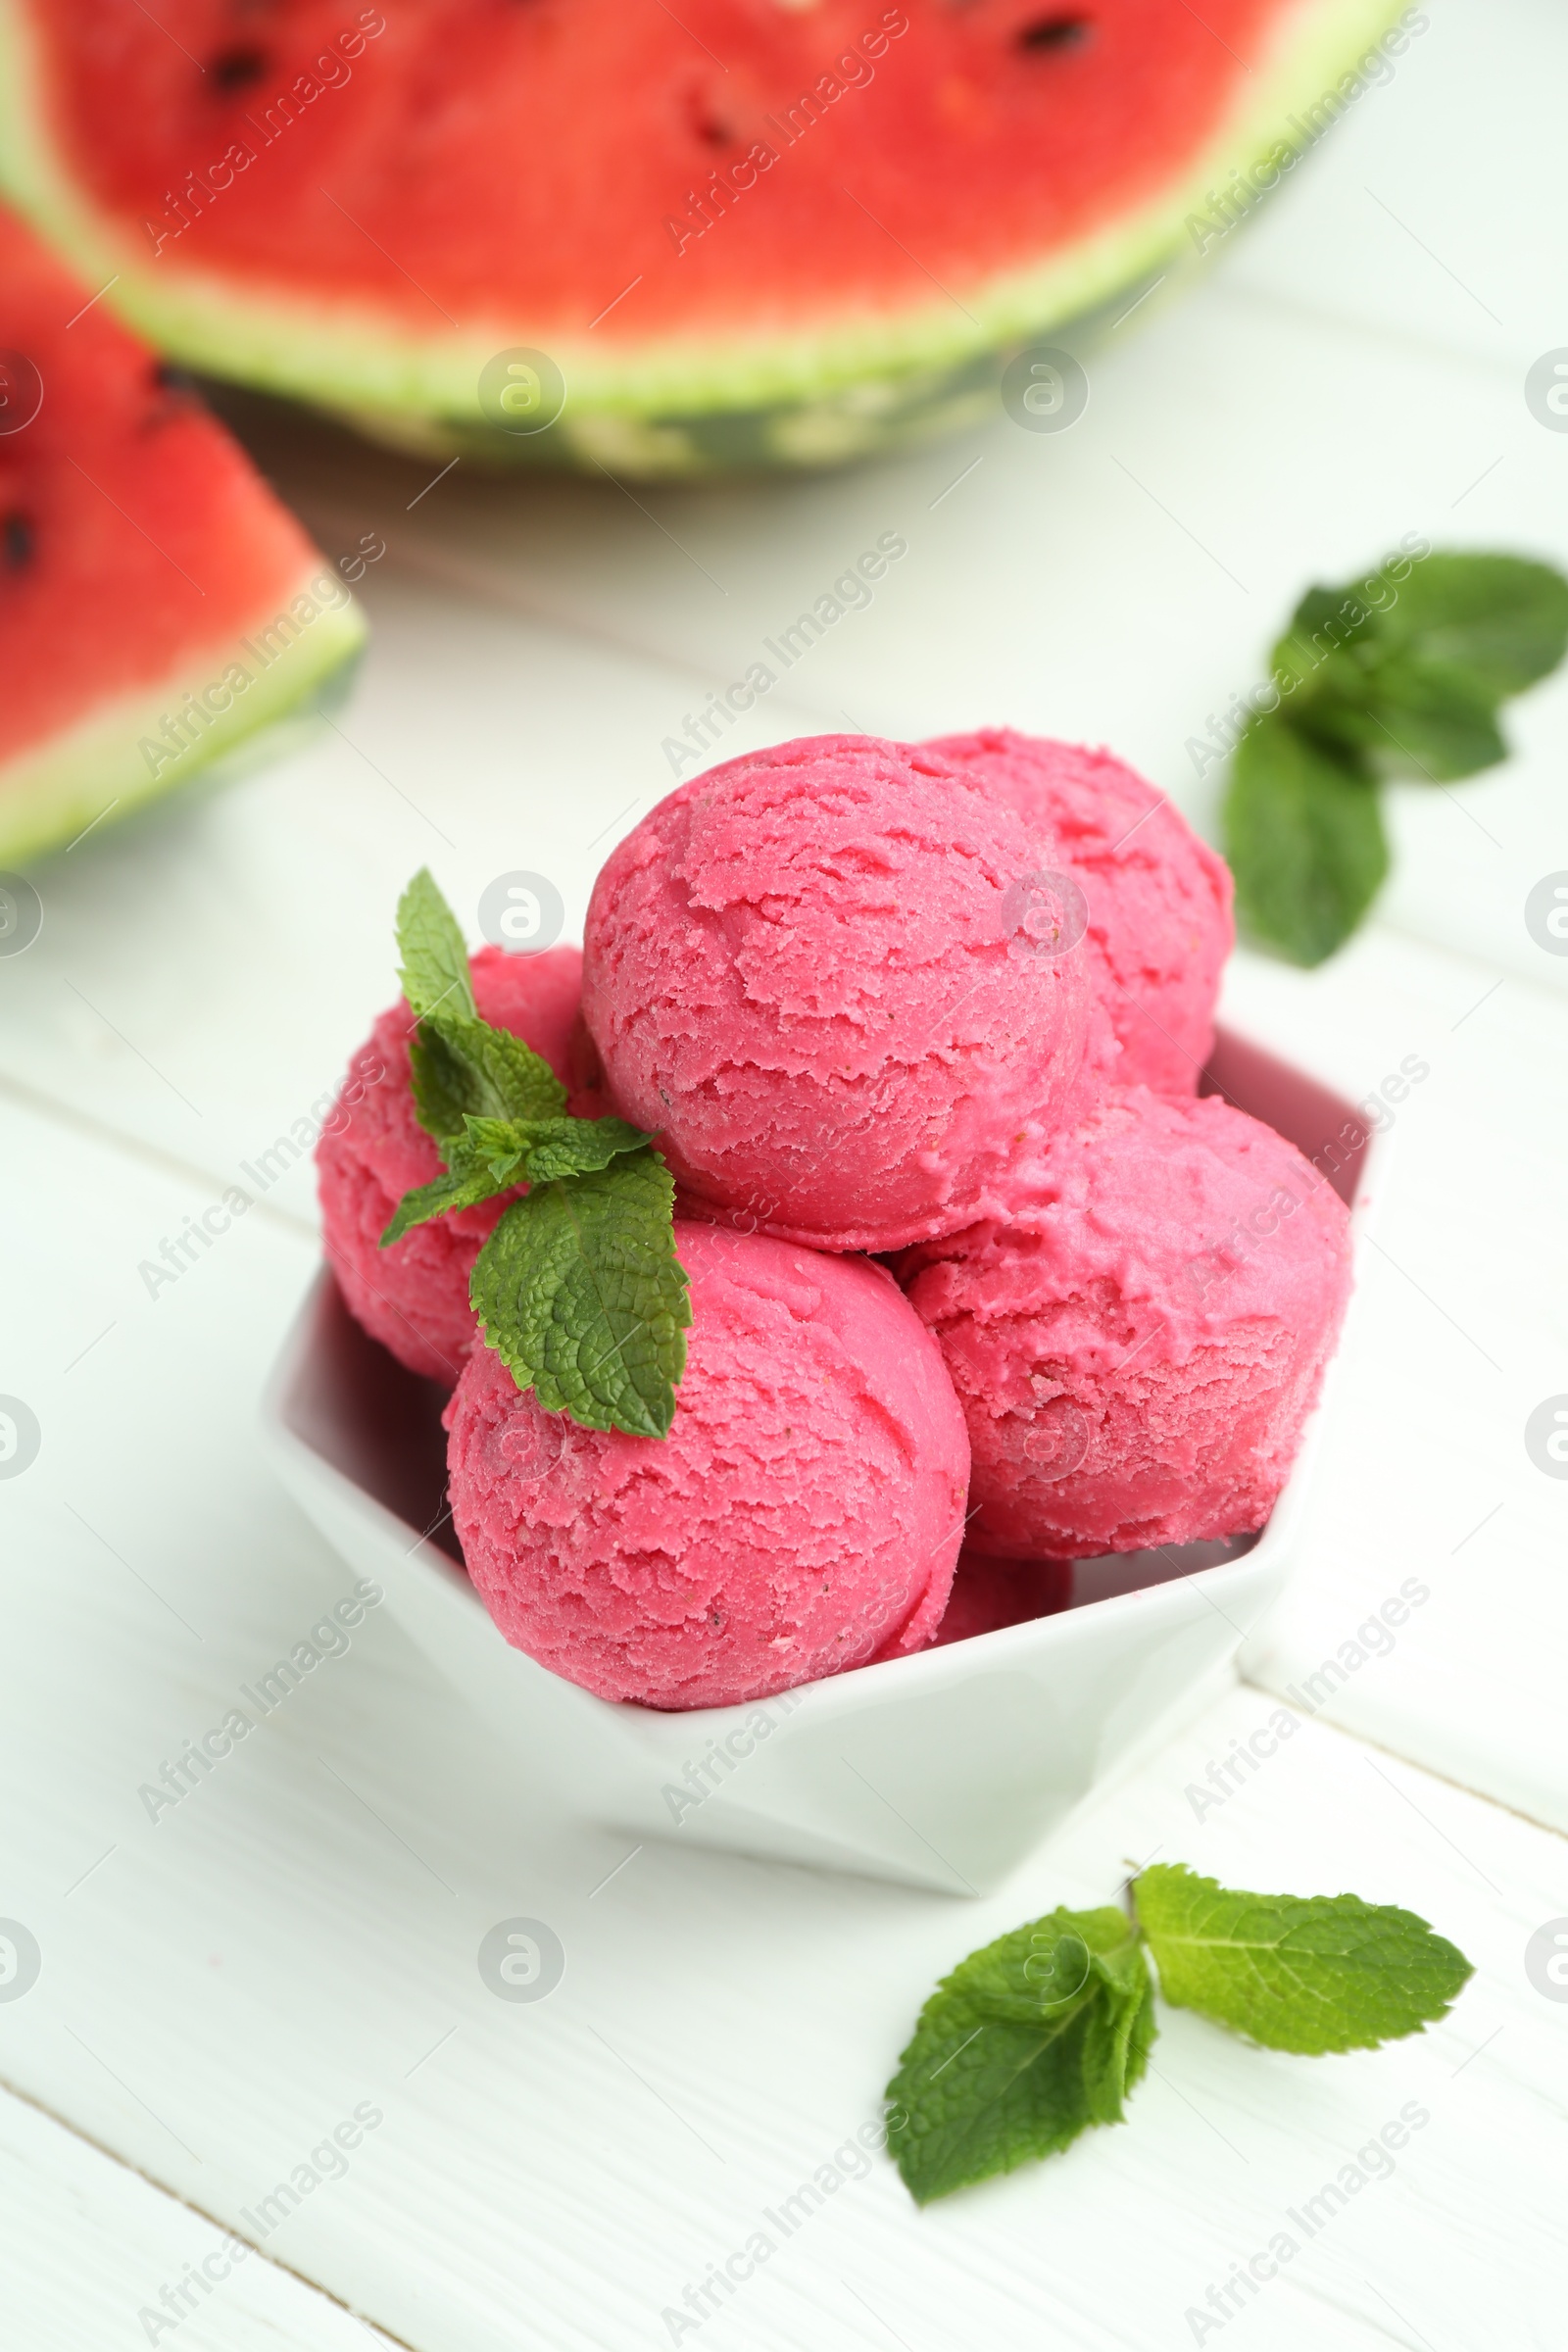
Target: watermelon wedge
157, 604
735, 232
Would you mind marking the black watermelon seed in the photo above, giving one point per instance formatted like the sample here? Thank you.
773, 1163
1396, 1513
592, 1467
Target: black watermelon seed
1053, 32
236, 68
17, 542
706, 121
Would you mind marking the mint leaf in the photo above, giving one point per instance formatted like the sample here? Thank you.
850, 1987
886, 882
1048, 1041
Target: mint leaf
1419, 720
439, 1081
464, 1068
580, 1294
1491, 625
1497, 623
538, 1151
457, 1189
1305, 839
1026, 2044
1318, 650
578, 1288
1399, 675
435, 975
460, 1063
491, 1155
1306, 1974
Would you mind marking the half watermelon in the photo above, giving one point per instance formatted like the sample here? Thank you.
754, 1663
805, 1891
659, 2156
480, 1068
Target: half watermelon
733, 232
157, 604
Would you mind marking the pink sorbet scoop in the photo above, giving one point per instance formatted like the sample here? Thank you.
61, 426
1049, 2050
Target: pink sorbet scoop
414, 1298
802, 1516
1137, 1347
1157, 899
824, 973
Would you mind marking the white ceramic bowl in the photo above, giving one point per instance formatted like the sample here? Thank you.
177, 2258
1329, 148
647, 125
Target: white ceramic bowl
940, 1770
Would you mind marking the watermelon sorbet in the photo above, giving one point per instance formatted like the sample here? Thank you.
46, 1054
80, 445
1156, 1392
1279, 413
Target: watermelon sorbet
1157, 899
1137, 1347
414, 1298
802, 1516
819, 973
867, 996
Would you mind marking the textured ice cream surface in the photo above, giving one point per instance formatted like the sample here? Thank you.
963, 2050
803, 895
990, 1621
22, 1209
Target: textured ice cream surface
1157, 899
414, 1298
820, 972
1137, 1346
802, 1515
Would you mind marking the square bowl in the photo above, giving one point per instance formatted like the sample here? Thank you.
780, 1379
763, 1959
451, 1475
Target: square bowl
940, 1770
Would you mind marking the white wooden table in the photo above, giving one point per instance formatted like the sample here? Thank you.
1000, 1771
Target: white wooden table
296, 1940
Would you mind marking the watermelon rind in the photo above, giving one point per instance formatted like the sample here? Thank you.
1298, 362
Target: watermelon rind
674, 404
122, 752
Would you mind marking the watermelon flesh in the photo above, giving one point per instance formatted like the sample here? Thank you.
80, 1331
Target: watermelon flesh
738, 209
157, 604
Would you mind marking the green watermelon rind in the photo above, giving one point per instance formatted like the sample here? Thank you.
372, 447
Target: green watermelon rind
675, 406
59, 788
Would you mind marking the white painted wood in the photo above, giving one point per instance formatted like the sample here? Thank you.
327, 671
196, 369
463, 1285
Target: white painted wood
1384, 232
1458, 1333
95, 2256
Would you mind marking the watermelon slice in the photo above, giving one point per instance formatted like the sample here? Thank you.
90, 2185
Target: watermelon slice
732, 232
157, 604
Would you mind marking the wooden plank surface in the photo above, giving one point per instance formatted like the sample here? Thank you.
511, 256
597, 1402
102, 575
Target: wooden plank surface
94, 2256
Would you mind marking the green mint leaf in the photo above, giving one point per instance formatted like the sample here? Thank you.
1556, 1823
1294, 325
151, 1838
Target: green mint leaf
538, 1151
1026, 2044
1320, 649
511, 1080
1417, 720
460, 1188
1492, 625
1305, 839
1306, 1974
1398, 674
1142, 2031
461, 1064
498, 1147
579, 1292
435, 962
1495, 623
491, 1155
441, 1087
1128, 2024
465, 1070
578, 1288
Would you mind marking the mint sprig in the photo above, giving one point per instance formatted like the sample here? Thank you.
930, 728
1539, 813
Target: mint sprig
491, 1155
1400, 674
578, 1289
1038, 2036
